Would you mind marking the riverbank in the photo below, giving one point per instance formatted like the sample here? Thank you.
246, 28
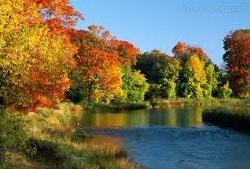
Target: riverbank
230, 116
53, 138
114, 107
229, 113
163, 103
206, 103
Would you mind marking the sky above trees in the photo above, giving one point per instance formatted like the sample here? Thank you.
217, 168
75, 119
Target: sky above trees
160, 24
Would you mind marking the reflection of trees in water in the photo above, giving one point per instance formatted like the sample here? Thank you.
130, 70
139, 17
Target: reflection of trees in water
138, 118
198, 116
121, 119
108, 119
171, 118
189, 117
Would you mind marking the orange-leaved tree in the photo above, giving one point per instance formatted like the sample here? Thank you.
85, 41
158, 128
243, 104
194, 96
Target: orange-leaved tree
128, 53
237, 59
98, 65
183, 51
35, 58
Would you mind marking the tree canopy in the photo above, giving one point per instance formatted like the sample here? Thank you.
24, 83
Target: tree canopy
43, 57
237, 59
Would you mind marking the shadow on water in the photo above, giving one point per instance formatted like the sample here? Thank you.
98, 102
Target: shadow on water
173, 139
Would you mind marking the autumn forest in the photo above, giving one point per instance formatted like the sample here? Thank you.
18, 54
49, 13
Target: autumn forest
45, 60
43, 57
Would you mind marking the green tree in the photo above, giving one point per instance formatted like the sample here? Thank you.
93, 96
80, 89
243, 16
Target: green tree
134, 85
154, 92
193, 78
150, 64
170, 78
168, 89
212, 80
225, 91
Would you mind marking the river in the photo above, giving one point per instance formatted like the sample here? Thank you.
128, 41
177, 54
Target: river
173, 139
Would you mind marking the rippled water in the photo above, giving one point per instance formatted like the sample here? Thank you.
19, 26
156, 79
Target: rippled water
174, 139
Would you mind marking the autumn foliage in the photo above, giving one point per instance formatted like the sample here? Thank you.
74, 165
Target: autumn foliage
43, 57
189, 74
237, 59
127, 52
34, 57
182, 50
97, 64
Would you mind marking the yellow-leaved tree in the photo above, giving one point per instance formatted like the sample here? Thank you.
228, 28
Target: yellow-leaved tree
196, 66
197, 76
33, 60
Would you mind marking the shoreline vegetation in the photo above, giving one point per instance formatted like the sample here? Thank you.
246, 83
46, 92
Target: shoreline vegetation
228, 113
54, 138
114, 107
231, 113
233, 116
206, 103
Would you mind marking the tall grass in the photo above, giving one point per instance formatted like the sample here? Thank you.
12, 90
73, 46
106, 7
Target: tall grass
114, 107
182, 102
235, 116
53, 138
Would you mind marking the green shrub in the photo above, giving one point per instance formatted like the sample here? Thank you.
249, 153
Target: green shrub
13, 135
55, 139
13, 130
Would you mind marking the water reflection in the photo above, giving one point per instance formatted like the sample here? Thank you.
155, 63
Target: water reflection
153, 117
172, 138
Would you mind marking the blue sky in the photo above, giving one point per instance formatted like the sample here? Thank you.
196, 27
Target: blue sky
160, 24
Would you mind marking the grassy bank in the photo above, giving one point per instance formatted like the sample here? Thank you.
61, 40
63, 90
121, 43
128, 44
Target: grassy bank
181, 102
230, 113
163, 103
235, 116
114, 107
52, 138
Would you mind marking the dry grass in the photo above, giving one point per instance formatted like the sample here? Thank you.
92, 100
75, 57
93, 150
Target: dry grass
235, 115
56, 143
181, 102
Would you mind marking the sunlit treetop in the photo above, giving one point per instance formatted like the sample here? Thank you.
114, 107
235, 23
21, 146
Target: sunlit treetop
127, 52
183, 51
57, 13
179, 48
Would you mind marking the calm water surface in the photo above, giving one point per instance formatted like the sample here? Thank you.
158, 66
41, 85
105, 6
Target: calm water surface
173, 139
